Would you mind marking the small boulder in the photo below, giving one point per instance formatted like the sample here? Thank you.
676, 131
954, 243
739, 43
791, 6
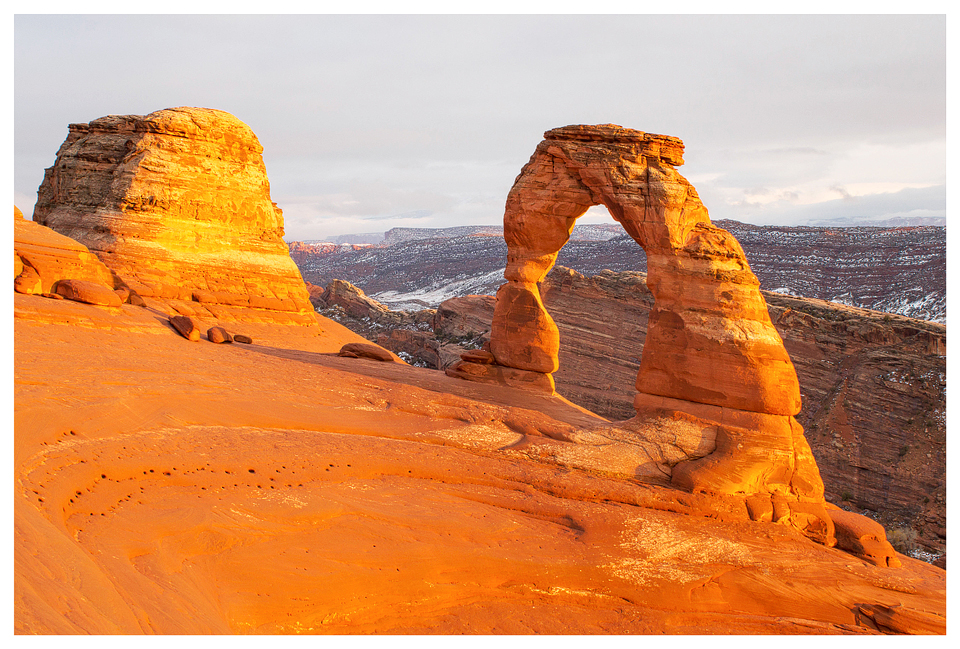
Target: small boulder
28, 282
123, 293
219, 335
80, 290
364, 350
240, 338
185, 326
52, 296
136, 300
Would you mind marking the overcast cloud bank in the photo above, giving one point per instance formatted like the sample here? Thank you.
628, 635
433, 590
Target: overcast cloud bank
372, 122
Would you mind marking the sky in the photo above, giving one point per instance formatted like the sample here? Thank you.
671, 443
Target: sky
371, 122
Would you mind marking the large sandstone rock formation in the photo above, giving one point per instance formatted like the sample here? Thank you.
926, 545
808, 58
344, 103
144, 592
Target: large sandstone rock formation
714, 370
710, 340
177, 203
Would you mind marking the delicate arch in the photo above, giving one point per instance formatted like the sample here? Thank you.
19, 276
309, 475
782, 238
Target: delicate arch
714, 375
710, 339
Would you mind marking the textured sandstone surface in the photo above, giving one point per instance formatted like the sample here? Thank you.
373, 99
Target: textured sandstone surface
277, 488
177, 203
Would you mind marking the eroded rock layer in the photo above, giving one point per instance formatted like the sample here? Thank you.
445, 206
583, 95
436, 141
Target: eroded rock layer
177, 203
873, 385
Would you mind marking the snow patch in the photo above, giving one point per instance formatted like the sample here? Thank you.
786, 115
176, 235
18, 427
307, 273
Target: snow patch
430, 297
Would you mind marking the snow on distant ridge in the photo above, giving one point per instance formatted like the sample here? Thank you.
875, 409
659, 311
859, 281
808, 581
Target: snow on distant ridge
892, 222
430, 297
393, 236
371, 238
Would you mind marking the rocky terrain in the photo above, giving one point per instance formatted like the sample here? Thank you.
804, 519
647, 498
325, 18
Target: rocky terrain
276, 488
899, 270
300, 480
873, 385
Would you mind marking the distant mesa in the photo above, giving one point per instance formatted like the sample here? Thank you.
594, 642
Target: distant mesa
177, 204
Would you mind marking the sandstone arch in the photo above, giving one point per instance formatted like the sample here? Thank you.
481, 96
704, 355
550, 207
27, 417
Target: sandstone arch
710, 339
717, 391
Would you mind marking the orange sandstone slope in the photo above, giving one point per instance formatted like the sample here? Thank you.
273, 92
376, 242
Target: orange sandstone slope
169, 486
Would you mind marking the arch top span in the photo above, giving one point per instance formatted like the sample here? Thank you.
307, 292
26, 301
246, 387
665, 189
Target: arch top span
666, 147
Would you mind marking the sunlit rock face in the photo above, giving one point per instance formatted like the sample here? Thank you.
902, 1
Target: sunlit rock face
177, 203
713, 365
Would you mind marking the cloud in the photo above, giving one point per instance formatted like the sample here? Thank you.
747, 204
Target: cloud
377, 116
844, 194
415, 215
925, 201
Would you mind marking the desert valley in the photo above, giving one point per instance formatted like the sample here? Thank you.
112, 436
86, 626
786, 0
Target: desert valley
206, 443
